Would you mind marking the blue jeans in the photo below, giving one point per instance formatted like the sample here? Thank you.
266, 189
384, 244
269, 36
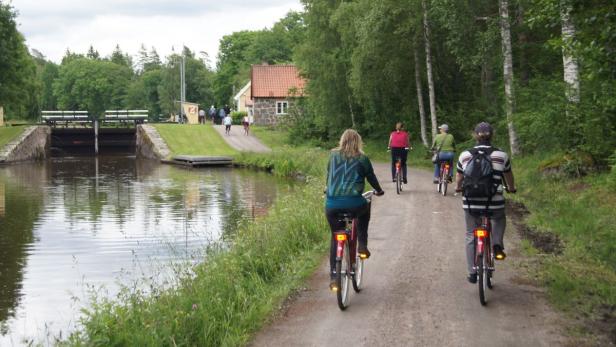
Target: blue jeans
443, 156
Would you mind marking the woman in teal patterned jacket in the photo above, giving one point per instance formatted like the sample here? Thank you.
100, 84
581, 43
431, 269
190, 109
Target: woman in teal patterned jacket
347, 171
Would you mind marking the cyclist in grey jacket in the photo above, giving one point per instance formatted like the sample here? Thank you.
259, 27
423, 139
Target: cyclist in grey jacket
501, 167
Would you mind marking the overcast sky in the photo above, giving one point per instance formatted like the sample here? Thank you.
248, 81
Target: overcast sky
52, 26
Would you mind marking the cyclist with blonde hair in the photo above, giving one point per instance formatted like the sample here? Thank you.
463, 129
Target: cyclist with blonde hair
347, 171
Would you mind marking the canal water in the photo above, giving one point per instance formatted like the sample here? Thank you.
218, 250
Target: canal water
71, 227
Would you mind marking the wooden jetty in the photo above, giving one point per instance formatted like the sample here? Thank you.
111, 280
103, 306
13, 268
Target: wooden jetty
199, 161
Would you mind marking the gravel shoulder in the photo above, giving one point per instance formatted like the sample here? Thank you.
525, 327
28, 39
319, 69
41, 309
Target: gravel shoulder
416, 293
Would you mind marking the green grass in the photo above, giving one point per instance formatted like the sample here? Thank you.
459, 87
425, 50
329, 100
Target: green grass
271, 137
580, 211
194, 140
7, 134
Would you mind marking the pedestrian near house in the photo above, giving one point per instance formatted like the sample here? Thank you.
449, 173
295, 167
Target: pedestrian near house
227, 109
228, 121
212, 113
201, 116
221, 115
246, 124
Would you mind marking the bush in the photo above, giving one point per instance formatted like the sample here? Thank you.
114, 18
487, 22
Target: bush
237, 116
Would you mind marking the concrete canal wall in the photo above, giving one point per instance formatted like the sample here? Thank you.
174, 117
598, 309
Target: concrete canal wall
150, 144
35, 142
32, 144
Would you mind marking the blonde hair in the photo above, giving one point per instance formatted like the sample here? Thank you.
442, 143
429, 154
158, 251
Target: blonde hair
399, 126
350, 145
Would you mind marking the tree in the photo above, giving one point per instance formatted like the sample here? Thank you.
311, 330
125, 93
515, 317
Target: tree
431, 92
508, 75
143, 93
93, 54
121, 58
92, 85
18, 87
420, 104
570, 63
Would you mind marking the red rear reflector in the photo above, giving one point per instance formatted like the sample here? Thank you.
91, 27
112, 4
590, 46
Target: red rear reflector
480, 232
341, 237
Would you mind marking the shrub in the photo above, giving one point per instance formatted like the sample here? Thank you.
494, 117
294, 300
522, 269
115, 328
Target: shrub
237, 116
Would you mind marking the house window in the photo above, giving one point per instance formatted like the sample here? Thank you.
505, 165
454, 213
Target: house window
281, 107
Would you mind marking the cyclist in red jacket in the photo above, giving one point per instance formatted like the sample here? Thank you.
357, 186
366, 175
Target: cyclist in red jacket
399, 145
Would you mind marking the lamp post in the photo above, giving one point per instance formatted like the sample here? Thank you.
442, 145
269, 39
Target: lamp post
182, 85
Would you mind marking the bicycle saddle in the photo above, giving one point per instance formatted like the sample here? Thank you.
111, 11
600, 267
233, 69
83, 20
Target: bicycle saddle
343, 216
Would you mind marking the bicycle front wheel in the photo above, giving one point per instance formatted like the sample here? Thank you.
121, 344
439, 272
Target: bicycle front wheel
343, 272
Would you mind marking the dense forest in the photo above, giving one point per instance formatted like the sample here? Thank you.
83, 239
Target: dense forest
541, 70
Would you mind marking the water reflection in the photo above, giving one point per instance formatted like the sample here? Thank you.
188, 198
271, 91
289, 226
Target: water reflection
70, 222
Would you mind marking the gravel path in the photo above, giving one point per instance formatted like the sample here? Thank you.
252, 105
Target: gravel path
416, 293
241, 142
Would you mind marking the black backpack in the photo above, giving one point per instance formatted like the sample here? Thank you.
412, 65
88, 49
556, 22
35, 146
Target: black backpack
479, 174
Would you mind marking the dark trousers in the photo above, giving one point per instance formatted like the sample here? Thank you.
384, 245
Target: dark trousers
396, 153
363, 218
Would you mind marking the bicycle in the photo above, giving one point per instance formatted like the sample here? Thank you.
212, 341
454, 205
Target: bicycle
349, 263
398, 179
443, 179
484, 257
398, 176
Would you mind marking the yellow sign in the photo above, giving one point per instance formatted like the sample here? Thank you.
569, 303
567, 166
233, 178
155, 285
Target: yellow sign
1, 116
192, 112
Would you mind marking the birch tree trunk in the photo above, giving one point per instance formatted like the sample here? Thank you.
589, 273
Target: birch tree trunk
351, 110
508, 75
570, 63
420, 104
429, 69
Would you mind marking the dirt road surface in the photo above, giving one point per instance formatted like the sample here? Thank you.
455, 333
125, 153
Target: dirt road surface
416, 292
241, 142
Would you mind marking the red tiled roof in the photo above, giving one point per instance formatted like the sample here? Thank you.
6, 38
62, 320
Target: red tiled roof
275, 81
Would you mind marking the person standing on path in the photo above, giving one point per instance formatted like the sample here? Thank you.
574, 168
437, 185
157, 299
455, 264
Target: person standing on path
201, 116
445, 146
347, 171
501, 168
246, 124
399, 146
221, 115
212, 114
228, 121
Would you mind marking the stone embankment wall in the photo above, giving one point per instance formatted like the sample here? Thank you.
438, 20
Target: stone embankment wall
32, 144
150, 144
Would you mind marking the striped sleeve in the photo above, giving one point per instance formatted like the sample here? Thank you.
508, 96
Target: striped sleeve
463, 160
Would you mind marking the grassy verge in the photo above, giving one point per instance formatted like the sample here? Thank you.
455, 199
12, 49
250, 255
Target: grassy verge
581, 277
7, 134
233, 293
194, 140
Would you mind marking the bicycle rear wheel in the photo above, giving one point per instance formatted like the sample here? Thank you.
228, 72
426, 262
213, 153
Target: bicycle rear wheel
443, 182
398, 183
358, 277
482, 279
342, 278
